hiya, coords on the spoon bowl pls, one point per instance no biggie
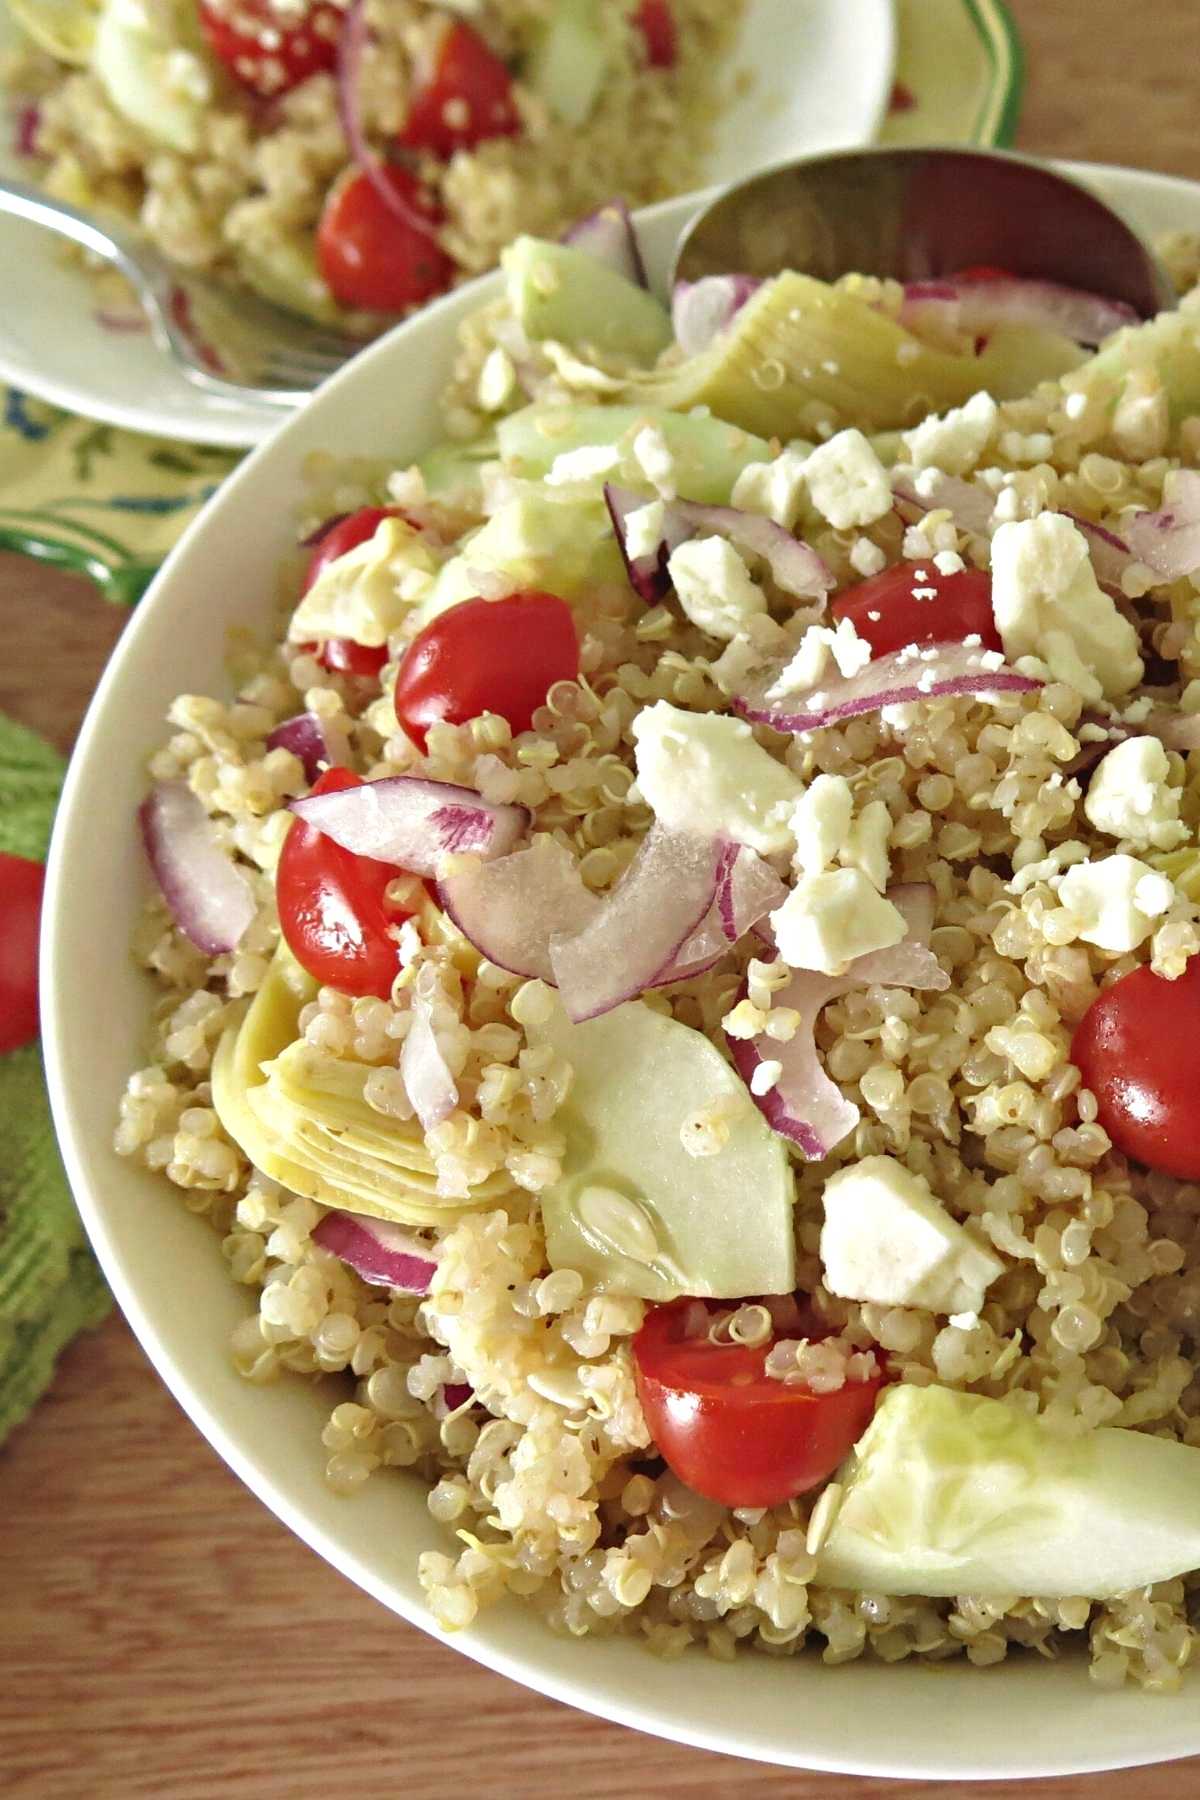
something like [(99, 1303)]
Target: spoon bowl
[(917, 214)]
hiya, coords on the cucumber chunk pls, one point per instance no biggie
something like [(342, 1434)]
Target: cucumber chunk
[(708, 454), (570, 60), (951, 1493), (558, 545), (559, 292), (633, 1211)]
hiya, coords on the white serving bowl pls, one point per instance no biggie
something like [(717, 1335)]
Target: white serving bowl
[(1027, 1718)]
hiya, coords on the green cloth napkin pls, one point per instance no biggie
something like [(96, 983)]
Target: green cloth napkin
[(50, 1287)]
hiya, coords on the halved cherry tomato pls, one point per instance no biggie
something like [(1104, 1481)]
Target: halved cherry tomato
[(498, 656), (656, 22), (264, 53), (464, 97), (1138, 1049), (370, 258), (21, 884), (914, 604), (729, 1430), (335, 918), (342, 656)]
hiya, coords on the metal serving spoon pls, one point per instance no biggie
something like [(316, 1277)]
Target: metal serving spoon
[(916, 214)]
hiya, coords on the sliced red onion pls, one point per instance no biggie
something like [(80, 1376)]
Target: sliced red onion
[(414, 822), (805, 1104), (970, 505), (1168, 540), (124, 323), (25, 128), (430, 1086), (511, 908), (747, 889), (384, 1254), (608, 234), (305, 737), (636, 934), (451, 1396), (976, 307), (351, 45), (794, 565), (208, 896), (647, 574), (900, 677), (702, 310)]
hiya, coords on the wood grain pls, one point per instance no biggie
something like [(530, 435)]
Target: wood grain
[(163, 1637)]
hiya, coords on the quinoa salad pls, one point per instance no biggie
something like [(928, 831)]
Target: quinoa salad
[(350, 159), (677, 972)]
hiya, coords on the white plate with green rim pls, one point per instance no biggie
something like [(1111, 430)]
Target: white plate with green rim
[(821, 75), (1031, 1717)]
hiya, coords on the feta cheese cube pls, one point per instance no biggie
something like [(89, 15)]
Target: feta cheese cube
[(653, 457), (583, 464), (954, 441), (820, 821), (775, 489), (847, 482), (866, 844), (704, 772), (850, 652), (888, 1240), (830, 919), (1115, 901), (1129, 796), (644, 530), (714, 586), (866, 558), (1048, 604)]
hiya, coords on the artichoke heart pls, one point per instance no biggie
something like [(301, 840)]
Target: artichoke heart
[(300, 1115), (801, 354)]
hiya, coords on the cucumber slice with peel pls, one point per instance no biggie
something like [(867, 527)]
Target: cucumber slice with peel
[(562, 293), (707, 454), (950, 1493), (633, 1211)]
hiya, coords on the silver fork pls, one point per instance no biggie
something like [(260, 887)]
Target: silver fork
[(280, 357)]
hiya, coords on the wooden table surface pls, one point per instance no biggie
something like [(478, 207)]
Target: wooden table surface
[(162, 1634)]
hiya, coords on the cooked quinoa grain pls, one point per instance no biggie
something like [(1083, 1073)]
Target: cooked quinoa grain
[(509, 1386)]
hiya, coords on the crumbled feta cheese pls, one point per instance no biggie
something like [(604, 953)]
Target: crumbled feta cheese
[(954, 441), (949, 562), (654, 459), (714, 586), (1129, 796), (847, 482), (644, 530), (829, 919), (850, 652), (582, 464), (888, 1240), (1075, 405), (765, 1076), (1048, 603), (1114, 902), (866, 558), (775, 489), (497, 380), (365, 594), (704, 772), (820, 821), (1046, 867), (866, 844)]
